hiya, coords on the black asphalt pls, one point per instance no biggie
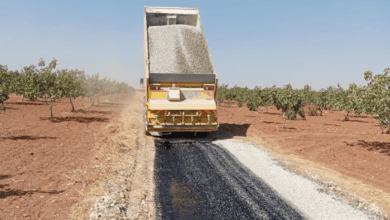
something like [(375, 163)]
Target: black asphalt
[(196, 179)]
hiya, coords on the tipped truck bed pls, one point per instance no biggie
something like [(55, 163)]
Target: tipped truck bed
[(177, 57)]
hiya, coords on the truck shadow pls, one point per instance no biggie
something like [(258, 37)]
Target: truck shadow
[(228, 131), (225, 131)]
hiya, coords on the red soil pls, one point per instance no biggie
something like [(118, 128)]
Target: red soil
[(38, 153)]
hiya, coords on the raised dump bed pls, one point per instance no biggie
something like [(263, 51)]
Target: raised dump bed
[(180, 79)]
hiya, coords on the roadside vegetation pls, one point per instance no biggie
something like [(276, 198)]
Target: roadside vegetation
[(372, 99), (52, 86)]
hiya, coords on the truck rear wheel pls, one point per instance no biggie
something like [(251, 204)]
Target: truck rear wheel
[(144, 122)]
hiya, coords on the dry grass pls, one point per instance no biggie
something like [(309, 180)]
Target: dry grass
[(359, 195), (114, 154)]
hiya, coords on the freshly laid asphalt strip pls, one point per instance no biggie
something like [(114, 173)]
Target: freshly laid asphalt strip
[(200, 180)]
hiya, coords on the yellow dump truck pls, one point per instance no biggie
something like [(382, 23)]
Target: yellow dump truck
[(180, 80)]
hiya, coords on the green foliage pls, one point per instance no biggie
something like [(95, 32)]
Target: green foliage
[(49, 85), (322, 100), (56, 85), (309, 95), (29, 86), (16, 83), (266, 97), (254, 100), (376, 98), (350, 100), (232, 93), (69, 86), (312, 111), (53, 64), (242, 96), (41, 63), (359, 105), (222, 92), (290, 102), (368, 75), (4, 88), (257, 97)]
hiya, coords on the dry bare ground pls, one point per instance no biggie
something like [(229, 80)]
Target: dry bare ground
[(127, 189), (58, 168)]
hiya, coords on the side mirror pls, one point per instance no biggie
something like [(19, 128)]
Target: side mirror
[(141, 82)]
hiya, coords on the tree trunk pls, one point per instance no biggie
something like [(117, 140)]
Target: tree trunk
[(325, 116), (284, 116), (266, 108), (49, 103), (346, 116), (51, 108), (70, 99), (51, 111), (257, 115)]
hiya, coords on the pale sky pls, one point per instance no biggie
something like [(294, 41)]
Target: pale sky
[(320, 43)]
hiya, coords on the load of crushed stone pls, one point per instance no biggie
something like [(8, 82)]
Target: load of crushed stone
[(178, 49)]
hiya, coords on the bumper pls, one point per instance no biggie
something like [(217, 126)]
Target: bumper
[(183, 128)]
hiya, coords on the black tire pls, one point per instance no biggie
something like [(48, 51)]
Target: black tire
[(144, 121)]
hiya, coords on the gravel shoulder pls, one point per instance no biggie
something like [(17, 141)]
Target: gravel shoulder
[(309, 197)]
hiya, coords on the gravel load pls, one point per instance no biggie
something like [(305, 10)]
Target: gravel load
[(178, 49)]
